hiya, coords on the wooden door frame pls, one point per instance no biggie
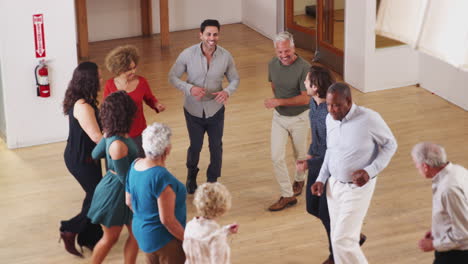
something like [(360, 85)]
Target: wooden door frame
[(146, 11), (317, 32), (289, 19), (320, 19)]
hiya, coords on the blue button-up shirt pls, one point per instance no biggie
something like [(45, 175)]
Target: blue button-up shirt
[(318, 115)]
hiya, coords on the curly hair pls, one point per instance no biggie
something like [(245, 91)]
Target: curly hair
[(212, 200), (119, 59), (83, 85), (117, 113), (322, 78), (156, 138)]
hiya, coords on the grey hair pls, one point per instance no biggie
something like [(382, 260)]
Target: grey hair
[(283, 36), (432, 154), (156, 138), (341, 89)]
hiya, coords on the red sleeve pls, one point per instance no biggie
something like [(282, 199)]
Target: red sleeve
[(109, 88), (148, 96)]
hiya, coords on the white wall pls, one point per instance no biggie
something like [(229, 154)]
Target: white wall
[(392, 67), (260, 15), (31, 120), (370, 69), (443, 80), (2, 100), (2, 106), (111, 19), (279, 16), (356, 45)]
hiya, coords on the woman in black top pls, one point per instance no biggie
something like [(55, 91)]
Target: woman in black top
[(80, 104)]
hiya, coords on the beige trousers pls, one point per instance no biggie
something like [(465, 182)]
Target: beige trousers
[(282, 128)]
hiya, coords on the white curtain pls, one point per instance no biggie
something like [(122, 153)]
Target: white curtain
[(436, 27)]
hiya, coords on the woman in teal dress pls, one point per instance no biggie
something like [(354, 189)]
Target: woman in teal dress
[(108, 206)]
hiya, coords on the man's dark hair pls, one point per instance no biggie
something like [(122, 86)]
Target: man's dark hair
[(209, 23), (322, 78), (341, 89)]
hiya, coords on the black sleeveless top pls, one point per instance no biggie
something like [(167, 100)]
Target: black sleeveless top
[(79, 144)]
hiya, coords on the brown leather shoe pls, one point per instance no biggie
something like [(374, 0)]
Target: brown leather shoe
[(282, 203), (297, 187)]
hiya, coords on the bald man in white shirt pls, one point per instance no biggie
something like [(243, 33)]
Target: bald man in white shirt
[(359, 146)]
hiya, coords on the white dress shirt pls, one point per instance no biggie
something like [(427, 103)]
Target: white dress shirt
[(361, 140), (450, 208), (206, 242)]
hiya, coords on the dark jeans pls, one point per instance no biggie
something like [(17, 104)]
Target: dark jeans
[(317, 205), (451, 257), (197, 127), (88, 176)]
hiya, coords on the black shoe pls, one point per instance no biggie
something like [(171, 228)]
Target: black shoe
[(90, 236), (212, 180), (191, 185), (362, 239)]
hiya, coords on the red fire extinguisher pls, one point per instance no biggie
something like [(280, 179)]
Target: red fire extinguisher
[(42, 79)]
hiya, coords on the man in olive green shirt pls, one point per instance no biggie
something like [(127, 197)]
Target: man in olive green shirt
[(287, 73)]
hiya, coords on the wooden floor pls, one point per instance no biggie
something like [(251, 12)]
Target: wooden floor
[(37, 191)]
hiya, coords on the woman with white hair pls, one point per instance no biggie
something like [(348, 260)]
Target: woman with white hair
[(205, 241), (157, 200)]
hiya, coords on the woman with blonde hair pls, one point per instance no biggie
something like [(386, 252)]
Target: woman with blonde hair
[(205, 241), (122, 62)]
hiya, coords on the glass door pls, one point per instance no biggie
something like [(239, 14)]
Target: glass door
[(301, 21), (318, 25), (330, 39)]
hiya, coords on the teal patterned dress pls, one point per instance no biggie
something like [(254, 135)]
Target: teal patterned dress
[(108, 206)]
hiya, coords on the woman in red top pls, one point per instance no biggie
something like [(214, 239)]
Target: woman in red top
[(122, 62)]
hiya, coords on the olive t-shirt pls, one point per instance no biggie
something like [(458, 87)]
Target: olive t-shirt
[(288, 82)]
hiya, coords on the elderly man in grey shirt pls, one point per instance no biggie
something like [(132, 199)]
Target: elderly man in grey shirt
[(449, 233), (359, 146), (206, 64)]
